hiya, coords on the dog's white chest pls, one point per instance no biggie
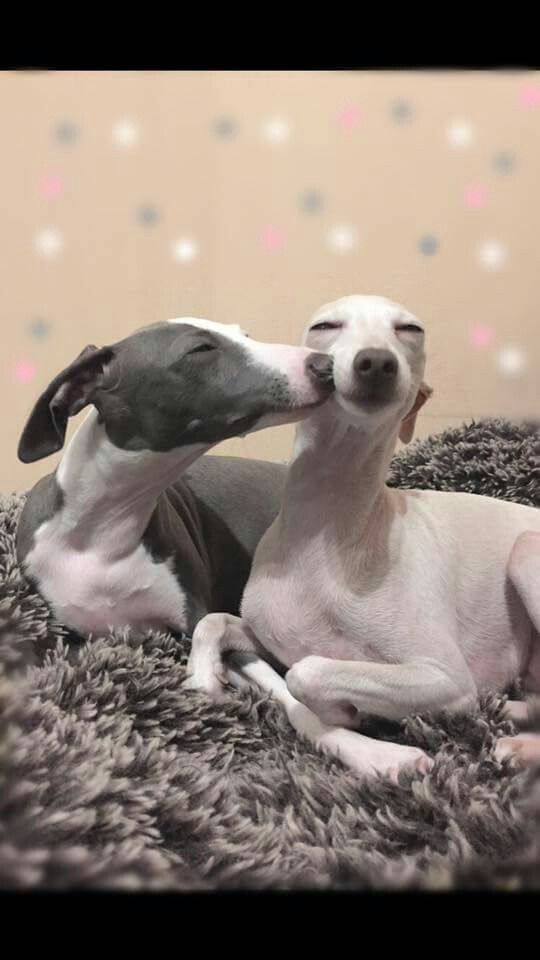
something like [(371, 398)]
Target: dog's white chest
[(306, 610), (90, 592), (431, 593)]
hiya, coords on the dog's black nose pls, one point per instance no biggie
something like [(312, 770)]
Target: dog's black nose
[(320, 366), (375, 367)]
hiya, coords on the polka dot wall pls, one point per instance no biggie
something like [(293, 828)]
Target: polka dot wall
[(253, 198)]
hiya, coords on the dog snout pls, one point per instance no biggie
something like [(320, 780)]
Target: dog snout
[(372, 365), (319, 367), (375, 372)]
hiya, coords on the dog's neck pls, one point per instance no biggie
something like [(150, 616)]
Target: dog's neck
[(109, 494), (337, 474)]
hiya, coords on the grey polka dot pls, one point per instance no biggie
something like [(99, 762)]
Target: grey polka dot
[(312, 201), (39, 328), (504, 161), (147, 215), (66, 132), (401, 111), (428, 245), (225, 127)]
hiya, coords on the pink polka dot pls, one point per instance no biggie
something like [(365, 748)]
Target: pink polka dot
[(24, 371), (273, 238), (475, 195), (481, 335), (349, 116), (529, 95), (50, 185)]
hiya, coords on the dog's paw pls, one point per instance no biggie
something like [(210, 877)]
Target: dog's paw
[(411, 759), (518, 711), (367, 757), (212, 684), (524, 748)]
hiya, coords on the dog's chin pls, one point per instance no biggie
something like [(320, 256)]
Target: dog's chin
[(306, 405), (360, 409)]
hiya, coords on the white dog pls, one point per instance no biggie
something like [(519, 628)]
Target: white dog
[(381, 601)]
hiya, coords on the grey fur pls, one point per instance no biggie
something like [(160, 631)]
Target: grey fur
[(114, 777), (151, 388), (237, 499), (210, 522), (46, 499)]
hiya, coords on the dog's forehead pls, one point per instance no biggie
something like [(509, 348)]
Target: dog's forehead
[(159, 343), (231, 330), (359, 308)]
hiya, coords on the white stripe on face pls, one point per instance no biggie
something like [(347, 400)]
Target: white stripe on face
[(231, 330)]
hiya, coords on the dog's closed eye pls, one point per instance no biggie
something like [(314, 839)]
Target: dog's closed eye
[(201, 348), (408, 328), (327, 325)]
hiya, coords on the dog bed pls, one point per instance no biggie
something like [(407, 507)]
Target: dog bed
[(113, 777)]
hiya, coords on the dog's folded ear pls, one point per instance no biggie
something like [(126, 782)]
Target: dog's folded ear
[(408, 423), (69, 392)]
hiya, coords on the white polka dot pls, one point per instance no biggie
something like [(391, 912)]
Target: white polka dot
[(126, 132), (184, 249), (460, 134), (48, 242), (276, 129), (511, 361), (492, 255), (342, 238)]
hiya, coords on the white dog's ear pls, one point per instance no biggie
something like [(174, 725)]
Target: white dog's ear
[(408, 423)]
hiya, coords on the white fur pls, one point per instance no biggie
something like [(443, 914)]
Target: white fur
[(382, 601), (231, 330), (101, 575)]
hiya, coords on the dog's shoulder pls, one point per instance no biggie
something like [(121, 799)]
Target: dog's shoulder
[(44, 500)]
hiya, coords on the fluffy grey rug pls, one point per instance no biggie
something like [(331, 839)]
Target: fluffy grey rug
[(113, 777)]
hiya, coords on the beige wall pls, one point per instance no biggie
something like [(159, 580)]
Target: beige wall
[(392, 173)]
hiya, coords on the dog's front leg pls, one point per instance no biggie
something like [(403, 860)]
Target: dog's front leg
[(218, 633), (341, 690), (215, 635), (362, 754)]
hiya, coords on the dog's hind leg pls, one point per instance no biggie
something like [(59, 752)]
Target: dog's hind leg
[(524, 572)]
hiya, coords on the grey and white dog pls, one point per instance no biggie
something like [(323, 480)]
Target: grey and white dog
[(379, 601), (132, 528)]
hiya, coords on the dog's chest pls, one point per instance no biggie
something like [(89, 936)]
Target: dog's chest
[(89, 592), (312, 611)]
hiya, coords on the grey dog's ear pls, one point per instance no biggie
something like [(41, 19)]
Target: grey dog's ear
[(408, 423), (69, 392)]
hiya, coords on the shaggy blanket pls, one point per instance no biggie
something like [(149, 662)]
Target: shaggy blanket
[(114, 777)]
